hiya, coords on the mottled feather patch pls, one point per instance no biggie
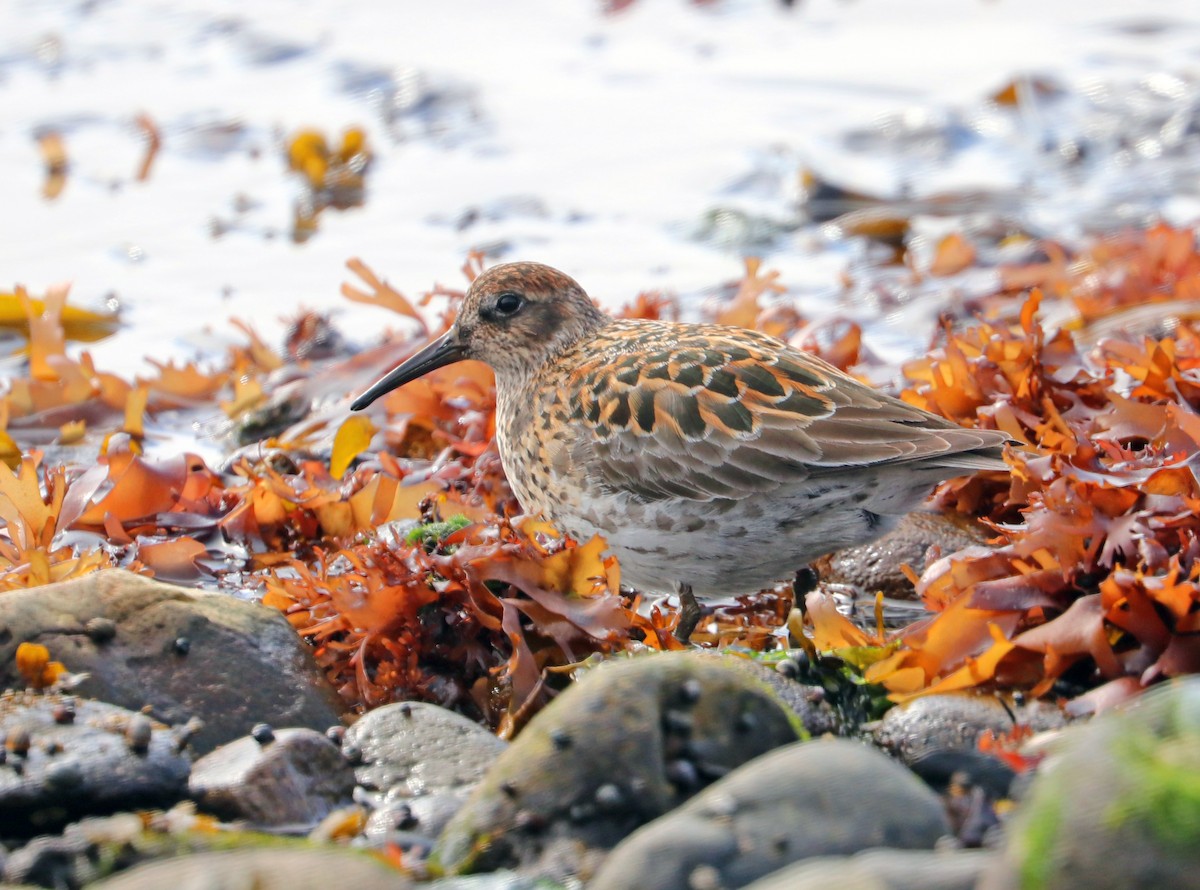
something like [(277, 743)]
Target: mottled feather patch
[(685, 412), (723, 383), (803, 405), (799, 374), (619, 416), (661, 420), (734, 416), (760, 380), (628, 376), (643, 409), (690, 375)]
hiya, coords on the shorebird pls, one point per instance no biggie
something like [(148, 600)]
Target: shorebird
[(715, 461)]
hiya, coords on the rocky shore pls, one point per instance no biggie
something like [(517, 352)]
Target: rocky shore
[(195, 744)]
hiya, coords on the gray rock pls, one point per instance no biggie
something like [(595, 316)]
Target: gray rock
[(917, 540), (419, 763), (65, 757), (972, 784), (496, 880), (810, 703), (882, 870), (52, 861), (297, 777), (1116, 805), (144, 643), (628, 742), (821, 798), (956, 720), (268, 868), (85, 851)]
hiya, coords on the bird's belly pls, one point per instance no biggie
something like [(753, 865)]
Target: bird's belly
[(721, 548)]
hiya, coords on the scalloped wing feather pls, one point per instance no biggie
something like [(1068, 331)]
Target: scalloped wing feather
[(716, 412)]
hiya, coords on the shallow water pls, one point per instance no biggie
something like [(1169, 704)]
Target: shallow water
[(646, 149)]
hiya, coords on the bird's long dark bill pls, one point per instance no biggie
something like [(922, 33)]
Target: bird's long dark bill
[(442, 351)]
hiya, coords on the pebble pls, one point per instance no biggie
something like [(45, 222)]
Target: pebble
[(628, 742), (819, 798), (142, 642), (418, 763), (102, 760), (297, 779)]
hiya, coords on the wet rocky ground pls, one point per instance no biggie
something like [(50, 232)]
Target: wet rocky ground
[(198, 746)]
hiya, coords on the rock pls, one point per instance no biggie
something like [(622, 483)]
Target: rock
[(267, 868), (1117, 804), (496, 880), (972, 783), (96, 848), (52, 861), (948, 766), (102, 759), (846, 704), (820, 798), (291, 776), (628, 742), (145, 643), (85, 851), (918, 540), (957, 720), (882, 870), (809, 702), (419, 762)]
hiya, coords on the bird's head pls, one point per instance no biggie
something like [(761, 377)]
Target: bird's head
[(515, 317)]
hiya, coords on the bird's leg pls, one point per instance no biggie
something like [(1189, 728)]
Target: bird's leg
[(689, 612)]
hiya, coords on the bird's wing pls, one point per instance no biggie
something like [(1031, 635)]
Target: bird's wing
[(725, 413)]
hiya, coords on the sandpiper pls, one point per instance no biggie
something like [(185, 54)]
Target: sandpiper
[(714, 460)]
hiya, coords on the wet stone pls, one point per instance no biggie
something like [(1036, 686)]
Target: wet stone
[(809, 702), (53, 861), (820, 798), (54, 772), (956, 721), (288, 868), (124, 631), (644, 735), (972, 784), (85, 851), (918, 540), (297, 778), (1116, 804), (882, 870), (417, 763), (496, 880)]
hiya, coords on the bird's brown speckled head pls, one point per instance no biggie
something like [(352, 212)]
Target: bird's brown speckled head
[(515, 317), (518, 315)]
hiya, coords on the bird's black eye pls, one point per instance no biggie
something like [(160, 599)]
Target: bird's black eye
[(509, 304)]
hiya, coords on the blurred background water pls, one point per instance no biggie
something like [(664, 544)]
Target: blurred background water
[(647, 144)]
